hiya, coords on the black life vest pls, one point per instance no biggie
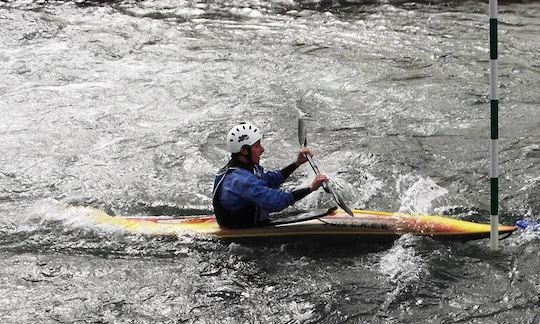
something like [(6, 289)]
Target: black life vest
[(249, 216)]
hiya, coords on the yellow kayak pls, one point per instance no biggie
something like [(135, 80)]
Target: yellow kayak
[(364, 225)]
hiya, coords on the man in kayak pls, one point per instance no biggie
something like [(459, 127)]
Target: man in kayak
[(244, 193)]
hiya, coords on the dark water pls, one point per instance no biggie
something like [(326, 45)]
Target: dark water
[(124, 105)]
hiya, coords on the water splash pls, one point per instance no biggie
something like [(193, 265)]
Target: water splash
[(403, 267), (525, 237), (51, 225), (417, 194)]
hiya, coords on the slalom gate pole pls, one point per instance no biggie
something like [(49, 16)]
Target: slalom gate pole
[(494, 102)]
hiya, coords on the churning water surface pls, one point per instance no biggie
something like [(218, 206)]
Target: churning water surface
[(123, 106)]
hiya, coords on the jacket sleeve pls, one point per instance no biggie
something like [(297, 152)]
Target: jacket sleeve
[(248, 186), (273, 179)]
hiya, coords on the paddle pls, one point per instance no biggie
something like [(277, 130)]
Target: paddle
[(302, 139)]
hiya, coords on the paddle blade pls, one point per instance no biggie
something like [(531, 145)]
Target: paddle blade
[(302, 132), (340, 201)]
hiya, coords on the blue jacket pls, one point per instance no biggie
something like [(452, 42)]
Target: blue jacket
[(244, 199)]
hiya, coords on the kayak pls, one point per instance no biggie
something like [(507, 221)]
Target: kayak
[(332, 223)]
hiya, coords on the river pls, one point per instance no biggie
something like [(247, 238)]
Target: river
[(124, 106)]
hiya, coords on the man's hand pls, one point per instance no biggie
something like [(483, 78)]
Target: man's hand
[(318, 181), (301, 158)]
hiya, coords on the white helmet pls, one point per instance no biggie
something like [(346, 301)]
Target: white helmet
[(242, 134)]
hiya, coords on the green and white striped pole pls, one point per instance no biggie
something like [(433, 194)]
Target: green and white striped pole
[(494, 101)]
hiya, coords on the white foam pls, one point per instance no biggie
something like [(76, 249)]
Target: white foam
[(51, 209), (301, 311), (246, 12), (75, 86), (402, 266), (189, 12), (531, 184), (419, 196), (70, 216), (369, 188), (524, 236), (287, 3), (401, 263)]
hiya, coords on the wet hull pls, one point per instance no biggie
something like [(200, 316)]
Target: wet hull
[(365, 225)]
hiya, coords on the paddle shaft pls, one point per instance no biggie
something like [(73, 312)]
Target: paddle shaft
[(317, 171), (302, 139)]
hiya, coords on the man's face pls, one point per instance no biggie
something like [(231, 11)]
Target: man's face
[(256, 151)]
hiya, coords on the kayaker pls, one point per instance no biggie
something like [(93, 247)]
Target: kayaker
[(244, 193)]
